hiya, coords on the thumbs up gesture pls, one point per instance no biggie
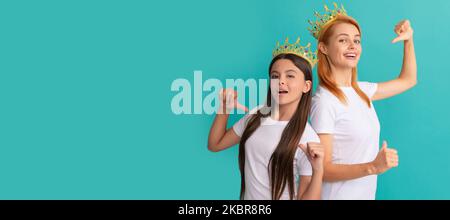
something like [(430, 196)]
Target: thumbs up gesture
[(228, 101), (404, 31), (386, 159)]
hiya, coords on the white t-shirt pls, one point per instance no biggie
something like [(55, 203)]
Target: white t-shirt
[(356, 133), (258, 150)]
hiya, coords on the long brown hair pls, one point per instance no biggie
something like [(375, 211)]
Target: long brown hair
[(281, 167), (323, 67)]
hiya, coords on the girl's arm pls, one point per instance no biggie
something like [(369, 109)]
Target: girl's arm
[(219, 137), (385, 160), (408, 75), (310, 187)]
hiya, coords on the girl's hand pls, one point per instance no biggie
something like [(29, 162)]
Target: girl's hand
[(315, 153), (228, 101), (404, 31), (385, 160)]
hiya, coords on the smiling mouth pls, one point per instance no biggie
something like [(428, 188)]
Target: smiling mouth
[(350, 56)]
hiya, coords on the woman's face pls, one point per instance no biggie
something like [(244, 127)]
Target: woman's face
[(287, 82), (344, 46)]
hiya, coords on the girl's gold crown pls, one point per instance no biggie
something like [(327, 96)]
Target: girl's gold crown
[(326, 18), (296, 49)]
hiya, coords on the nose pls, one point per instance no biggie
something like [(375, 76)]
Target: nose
[(282, 81), (351, 45)]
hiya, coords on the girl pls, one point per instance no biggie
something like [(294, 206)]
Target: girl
[(269, 159), (342, 111)]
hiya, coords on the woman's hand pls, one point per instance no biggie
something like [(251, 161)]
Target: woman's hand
[(404, 31), (408, 75), (385, 160)]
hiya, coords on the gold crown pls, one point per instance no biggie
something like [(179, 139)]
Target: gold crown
[(327, 17), (296, 49)]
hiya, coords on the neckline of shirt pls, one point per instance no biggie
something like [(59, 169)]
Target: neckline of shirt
[(269, 120)]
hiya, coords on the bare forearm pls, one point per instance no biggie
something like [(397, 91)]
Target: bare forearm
[(409, 67), (314, 190), (218, 129), (340, 172)]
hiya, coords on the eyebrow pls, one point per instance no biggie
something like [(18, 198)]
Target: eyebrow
[(289, 70), (356, 35)]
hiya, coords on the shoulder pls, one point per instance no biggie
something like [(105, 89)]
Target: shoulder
[(240, 125), (324, 97), (324, 100), (368, 87), (252, 112), (366, 84)]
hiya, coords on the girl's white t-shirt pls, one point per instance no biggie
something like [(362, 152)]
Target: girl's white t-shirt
[(258, 150), (356, 133)]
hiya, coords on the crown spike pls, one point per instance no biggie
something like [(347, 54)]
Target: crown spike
[(323, 19), (296, 49)]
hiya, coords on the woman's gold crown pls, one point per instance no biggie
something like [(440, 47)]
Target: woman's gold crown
[(326, 18)]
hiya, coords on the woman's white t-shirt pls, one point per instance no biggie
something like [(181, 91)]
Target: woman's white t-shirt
[(258, 150), (356, 133)]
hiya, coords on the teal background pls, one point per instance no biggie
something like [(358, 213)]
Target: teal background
[(85, 93)]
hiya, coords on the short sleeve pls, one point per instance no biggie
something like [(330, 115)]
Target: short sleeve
[(323, 116), (303, 165), (309, 135), (369, 88), (239, 126)]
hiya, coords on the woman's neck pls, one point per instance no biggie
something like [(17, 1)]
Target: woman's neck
[(342, 76)]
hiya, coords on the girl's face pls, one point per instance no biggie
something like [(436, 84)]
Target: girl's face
[(344, 46), (287, 82)]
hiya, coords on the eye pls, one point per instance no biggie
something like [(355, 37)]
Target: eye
[(274, 76), (357, 41), (291, 76), (343, 41)]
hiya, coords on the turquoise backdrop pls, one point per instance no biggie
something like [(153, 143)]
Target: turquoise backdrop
[(85, 93)]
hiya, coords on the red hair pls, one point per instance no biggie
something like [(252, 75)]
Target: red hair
[(323, 68)]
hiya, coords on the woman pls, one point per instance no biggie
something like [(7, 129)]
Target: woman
[(342, 112), (269, 157)]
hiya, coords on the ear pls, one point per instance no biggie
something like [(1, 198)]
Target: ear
[(323, 48), (308, 85)]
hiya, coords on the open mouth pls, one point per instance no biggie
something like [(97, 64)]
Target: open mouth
[(282, 92), (351, 56)]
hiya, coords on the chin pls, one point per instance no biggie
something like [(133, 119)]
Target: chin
[(281, 102), (351, 65), (284, 102)]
